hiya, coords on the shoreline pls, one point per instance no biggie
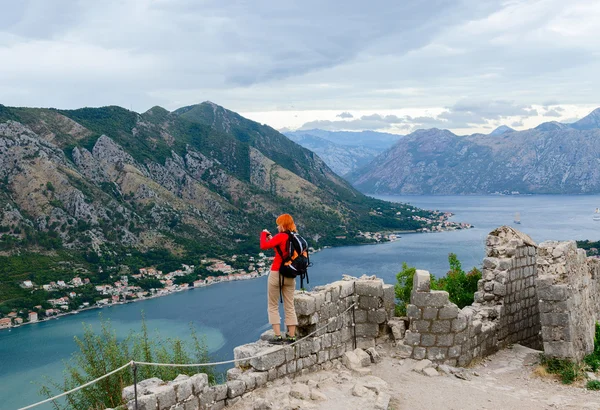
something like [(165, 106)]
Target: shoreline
[(74, 312)]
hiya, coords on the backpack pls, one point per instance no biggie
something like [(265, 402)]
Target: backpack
[(298, 260)]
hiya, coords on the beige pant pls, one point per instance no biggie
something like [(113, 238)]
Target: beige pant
[(287, 290)]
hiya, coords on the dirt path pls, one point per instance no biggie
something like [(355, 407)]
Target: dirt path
[(505, 380)]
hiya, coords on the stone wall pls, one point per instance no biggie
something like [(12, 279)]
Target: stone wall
[(505, 310), (321, 312), (547, 295), (568, 287)]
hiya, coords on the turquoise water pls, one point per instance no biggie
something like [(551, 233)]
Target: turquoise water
[(231, 314)]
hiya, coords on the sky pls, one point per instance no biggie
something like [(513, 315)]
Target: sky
[(393, 66)]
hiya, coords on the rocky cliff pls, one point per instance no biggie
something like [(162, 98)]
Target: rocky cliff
[(552, 158), (200, 177)]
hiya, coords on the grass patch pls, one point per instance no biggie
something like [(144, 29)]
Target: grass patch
[(568, 370), (593, 385)]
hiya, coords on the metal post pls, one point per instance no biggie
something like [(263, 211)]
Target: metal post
[(134, 367), (353, 316)]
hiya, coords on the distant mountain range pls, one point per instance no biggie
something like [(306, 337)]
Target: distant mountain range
[(344, 151), (552, 158)]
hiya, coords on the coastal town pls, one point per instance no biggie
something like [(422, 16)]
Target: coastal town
[(69, 297), (80, 294)]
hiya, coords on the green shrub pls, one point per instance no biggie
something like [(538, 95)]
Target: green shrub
[(100, 353), (593, 359), (460, 286), (593, 385), (568, 370), (403, 288)]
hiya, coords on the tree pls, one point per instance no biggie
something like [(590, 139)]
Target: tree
[(100, 353), (460, 286), (403, 288)]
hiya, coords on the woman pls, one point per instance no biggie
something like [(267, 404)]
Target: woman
[(278, 282)]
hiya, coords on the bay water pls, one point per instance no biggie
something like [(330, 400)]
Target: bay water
[(231, 314)]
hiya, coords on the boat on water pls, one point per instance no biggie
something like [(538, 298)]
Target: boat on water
[(596, 215), (517, 218)]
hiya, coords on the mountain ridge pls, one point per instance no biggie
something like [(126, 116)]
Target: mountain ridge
[(553, 158)]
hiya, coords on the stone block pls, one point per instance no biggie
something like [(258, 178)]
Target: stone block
[(291, 367), (260, 378), (282, 371), (319, 300), (303, 348), (183, 389), (389, 296), (505, 263), (346, 288), (220, 405), (272, 374), (499, 289), (309, 361), (413, 312), (369, 288), (363, 357), (377, 316), (365, 342), (192, 404), (421, 281), (430, 313), (322, 356), (220, 391), (412, 338), (128, 392), (368, 302), (437, 354), (336, 338), (454, 352), (448, 312), (398, 328), (404, 351), (271, 357), (559, 349), (244, 351), (367, 329), (419, 353), (326, 340), (232, 402), (435, 298), (427, 340), (234, 373), (361, 316), (555, 319), (490, 263), (556, 292), (440, 326), (165, 396), (445, 340), (374, 355), (147, 402), (421, 325)]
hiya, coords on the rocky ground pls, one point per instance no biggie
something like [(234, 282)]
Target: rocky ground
[(509, 379)]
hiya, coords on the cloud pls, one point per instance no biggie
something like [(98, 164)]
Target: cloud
[(553, 113), (263, 55), (517, 123), (345, 114)]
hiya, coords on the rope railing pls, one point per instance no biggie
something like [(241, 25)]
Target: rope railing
[(133, 364)]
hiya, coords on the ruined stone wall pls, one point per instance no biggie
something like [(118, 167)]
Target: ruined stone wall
[(320, 312), (568, 287), (505, 310)]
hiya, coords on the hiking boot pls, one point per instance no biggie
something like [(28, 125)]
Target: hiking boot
[(290, 339), (276, 340)]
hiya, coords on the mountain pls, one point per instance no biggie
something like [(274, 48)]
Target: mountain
[(589, 122), (95, 188), (344, 151), (552, 158), (501, 130)]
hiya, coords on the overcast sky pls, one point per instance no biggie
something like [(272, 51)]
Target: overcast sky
[(465, 65)]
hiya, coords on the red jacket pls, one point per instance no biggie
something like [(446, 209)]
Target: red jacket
[(278, 240)]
